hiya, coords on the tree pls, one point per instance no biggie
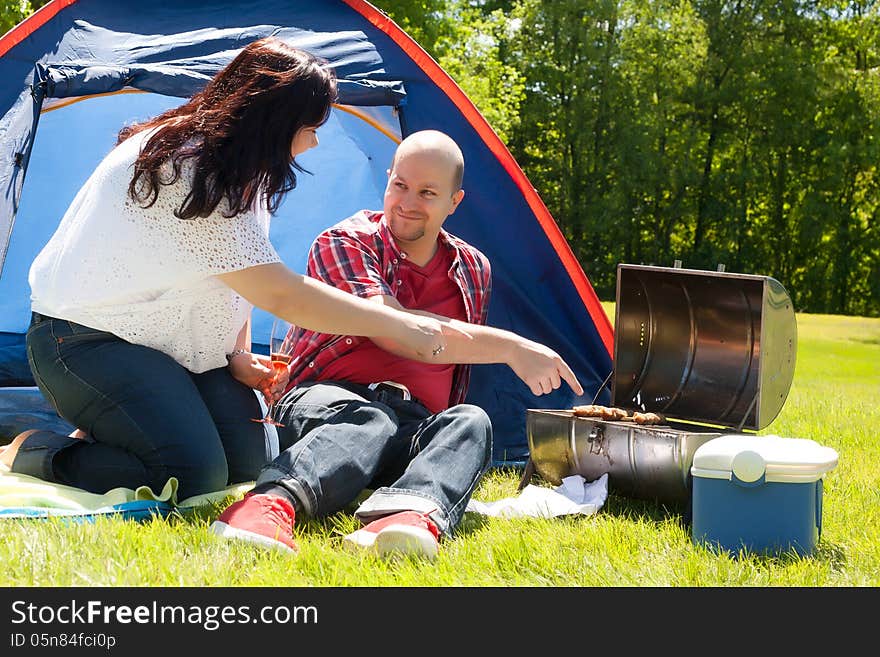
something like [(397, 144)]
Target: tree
[(468, 40), (13, 12)]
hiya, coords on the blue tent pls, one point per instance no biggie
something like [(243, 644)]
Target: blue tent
[(77, 70)]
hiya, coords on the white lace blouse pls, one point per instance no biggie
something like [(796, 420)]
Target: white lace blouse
[(145, 275)]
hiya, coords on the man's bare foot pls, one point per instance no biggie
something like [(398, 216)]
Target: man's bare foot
[(78, 433), (7, 456)]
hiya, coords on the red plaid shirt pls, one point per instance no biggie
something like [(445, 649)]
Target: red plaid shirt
[(359, 255)]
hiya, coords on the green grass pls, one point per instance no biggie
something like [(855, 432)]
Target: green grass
[(833, 400)]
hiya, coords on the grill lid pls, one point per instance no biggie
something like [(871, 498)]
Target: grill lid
[(716, 348)]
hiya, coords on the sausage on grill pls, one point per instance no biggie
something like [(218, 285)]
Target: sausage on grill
[(611, 413)]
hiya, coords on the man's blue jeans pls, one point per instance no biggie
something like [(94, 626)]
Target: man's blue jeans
[(148, 418), (340, 438)]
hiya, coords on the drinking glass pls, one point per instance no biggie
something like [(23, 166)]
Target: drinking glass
[(280, 352)]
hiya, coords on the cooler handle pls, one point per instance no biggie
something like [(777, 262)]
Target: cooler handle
[(819, 507)]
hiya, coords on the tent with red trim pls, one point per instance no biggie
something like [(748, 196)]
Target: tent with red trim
[(77, 70)]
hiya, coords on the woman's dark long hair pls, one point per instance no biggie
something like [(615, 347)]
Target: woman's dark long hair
[(238, 130)]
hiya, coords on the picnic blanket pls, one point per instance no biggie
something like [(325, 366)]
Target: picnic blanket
[(22, 496)]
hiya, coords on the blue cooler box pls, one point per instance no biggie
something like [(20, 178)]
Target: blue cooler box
[(759, 493)]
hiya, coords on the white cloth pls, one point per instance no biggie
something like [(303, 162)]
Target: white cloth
[(145, 275), (574, 496)]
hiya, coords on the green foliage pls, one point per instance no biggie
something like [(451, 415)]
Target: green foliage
[(713, 132), (12, 12), (423, 20), (628, 542), (474, 57), (469, 42)]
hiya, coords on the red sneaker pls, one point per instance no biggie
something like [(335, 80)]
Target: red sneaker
[(408, 532), (266, 520)]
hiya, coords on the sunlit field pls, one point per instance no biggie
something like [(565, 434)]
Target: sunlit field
[(833, 400)]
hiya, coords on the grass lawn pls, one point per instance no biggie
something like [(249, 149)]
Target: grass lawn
[(833, 400)]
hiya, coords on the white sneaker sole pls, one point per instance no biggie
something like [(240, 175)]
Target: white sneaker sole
[(222, 529), (395, 540)]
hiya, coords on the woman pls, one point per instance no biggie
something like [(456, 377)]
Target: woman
[(141, 300)]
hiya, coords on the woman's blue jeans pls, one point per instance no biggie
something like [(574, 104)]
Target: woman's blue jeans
[(340, 438), (147, 417)]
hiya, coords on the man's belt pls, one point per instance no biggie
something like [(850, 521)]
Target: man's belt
[(392, 387)]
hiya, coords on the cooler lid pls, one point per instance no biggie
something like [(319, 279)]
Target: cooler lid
[(716, 348), (750, 457)]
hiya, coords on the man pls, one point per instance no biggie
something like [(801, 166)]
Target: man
[(363, 413)]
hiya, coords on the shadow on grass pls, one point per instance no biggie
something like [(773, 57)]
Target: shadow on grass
[(470, 523), (654, 511), (338, 524), (832, 554), (333, 527), (632, 508)]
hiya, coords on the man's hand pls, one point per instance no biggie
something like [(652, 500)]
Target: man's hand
[(253, 370), (541, 368)]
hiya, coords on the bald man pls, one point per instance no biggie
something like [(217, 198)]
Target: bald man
[(368, 413)]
